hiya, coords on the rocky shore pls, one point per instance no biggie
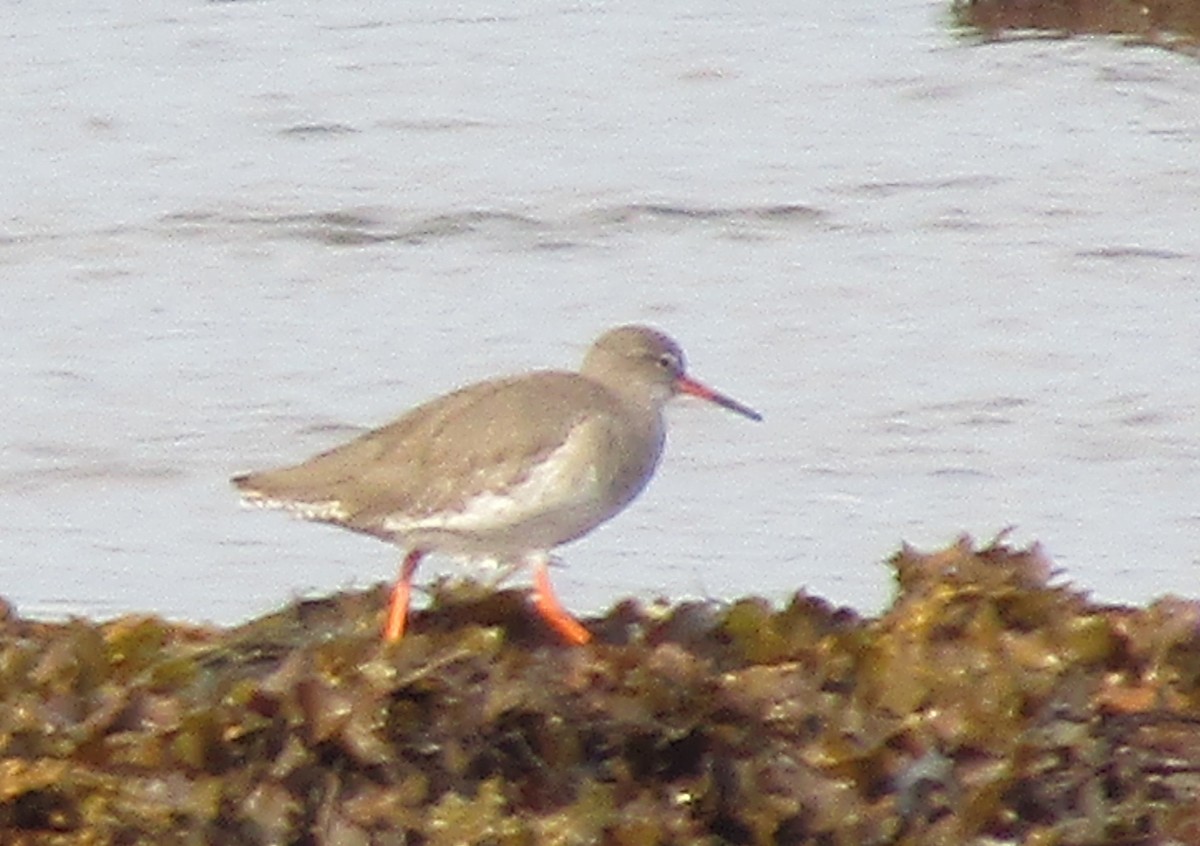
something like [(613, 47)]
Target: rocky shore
[(992, 703)]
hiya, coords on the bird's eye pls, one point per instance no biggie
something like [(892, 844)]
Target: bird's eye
[(668, 362)]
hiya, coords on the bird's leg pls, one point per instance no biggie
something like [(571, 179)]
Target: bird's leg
[(547, 604), (397, 614)]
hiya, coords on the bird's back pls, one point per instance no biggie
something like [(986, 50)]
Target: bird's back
[(488, 437)]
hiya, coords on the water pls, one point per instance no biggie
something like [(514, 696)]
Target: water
[(958, 280)]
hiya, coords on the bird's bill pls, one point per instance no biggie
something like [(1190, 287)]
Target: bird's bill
[(685, 385)]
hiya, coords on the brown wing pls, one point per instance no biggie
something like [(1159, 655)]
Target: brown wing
[(482, 437)]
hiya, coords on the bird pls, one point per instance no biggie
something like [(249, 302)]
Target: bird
[(506, 469)]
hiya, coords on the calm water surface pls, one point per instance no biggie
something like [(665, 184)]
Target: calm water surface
[(960, 281)]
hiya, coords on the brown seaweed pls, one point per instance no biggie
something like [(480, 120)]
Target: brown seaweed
[(1174, 24), (991, 702)]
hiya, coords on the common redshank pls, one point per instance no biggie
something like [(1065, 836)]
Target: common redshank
[(506, 469)]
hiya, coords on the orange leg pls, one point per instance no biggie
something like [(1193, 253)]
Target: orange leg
[(397, 614), (547, 604)]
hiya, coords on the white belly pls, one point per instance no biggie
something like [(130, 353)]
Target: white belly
[(562, 498)]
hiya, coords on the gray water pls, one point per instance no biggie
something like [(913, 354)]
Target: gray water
[(959, 280)]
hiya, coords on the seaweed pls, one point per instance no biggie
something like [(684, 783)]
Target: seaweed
[(991, 700)]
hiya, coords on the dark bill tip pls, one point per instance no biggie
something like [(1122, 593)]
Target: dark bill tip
[(686, 385)]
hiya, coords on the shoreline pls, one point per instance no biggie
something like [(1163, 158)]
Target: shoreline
[(988, 701)]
